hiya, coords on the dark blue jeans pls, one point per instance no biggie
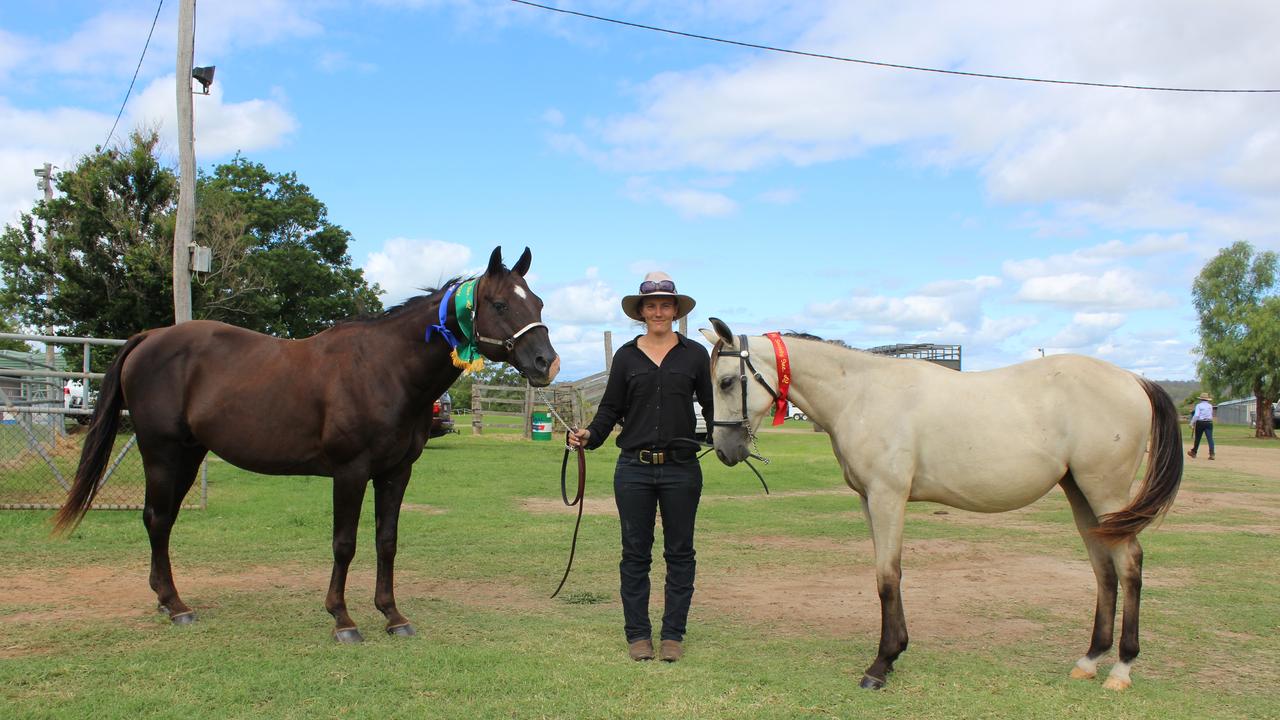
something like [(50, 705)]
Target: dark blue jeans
[(639, 490), (1206, 429)]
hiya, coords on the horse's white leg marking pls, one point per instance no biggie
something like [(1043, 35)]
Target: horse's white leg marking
[(1119, 677), (1085, 668)]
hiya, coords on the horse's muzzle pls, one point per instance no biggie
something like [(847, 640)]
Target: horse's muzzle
[(731, 445), (543, 373)]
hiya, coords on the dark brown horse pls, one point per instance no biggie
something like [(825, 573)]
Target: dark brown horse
[(352, 403)]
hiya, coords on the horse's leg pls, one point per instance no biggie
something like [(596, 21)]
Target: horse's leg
[(1127, 556), (885, 512), (388, 493), (348, 496), (1104, 570), (170, 470)]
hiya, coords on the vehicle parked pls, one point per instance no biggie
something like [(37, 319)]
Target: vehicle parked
[(442, 416), (73, 399), (699, 423)]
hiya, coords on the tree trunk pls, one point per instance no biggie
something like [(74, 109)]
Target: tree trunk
[(1264, 426)]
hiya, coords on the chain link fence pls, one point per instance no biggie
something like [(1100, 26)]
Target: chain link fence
[(44, 416)]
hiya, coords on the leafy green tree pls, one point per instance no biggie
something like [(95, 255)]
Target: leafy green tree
[(97, 260), (295, 276), (8, 325), (1240, 327)]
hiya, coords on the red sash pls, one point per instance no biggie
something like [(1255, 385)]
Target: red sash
[(784, 376)]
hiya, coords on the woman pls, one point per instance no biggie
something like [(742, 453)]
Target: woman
[(651, 389)]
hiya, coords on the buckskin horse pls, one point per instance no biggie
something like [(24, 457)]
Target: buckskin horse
[(905, 430), (352, 403)]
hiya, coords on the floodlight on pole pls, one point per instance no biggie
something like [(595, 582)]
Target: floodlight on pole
[(204, 75)]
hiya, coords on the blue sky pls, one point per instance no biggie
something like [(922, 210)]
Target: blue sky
[(872, 205)]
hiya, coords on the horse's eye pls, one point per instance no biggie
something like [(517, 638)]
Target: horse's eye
[(500, 307), (726, 382)]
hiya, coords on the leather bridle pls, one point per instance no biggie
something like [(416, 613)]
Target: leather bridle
[(744, 364)]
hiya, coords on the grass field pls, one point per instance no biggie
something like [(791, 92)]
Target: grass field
[(782, 625)]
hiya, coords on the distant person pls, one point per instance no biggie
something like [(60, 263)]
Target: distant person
[(1202, 423), (652, 384)]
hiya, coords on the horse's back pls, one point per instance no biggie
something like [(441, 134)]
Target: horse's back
[(999, 439), (237, 392)]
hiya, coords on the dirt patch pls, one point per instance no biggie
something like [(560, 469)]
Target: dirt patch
[(122, 595), (1260, 461), (955, 592), (421, 508), (556, 505), (1191, 502), (604, 506)]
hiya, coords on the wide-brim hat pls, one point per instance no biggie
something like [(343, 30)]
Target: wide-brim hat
[(1206, 396), (658, 284)]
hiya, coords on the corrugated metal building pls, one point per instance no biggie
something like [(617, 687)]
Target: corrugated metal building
[(1239, 412)]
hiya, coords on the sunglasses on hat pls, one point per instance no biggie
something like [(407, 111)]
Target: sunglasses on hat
[(649, 286)]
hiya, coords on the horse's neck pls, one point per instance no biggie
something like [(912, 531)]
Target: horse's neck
[(426, 363), (826, 379)]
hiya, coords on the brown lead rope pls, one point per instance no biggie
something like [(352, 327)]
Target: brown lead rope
[(577, 500)]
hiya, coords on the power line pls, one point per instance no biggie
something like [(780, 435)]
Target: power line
[(135, 75), (876, 63)]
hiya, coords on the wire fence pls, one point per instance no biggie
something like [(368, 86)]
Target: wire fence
[(43, 425)]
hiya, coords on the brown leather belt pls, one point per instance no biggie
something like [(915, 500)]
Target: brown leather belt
[(651, 457), (655, 456)]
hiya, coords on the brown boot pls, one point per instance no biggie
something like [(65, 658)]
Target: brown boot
[(672, 650), (641, 649), (1210, 456), (1191, 453)]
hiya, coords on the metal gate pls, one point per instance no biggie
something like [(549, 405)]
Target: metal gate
[(42, 429)]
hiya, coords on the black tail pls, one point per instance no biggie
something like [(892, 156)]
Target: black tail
[(97, 445), (1164, 472)]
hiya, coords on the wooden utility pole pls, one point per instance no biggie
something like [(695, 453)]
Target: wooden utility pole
[(50, 357), (186, 220), (608, 350)]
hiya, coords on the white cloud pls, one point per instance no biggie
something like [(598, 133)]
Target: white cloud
[(553, 117), (404, 266), (779, 196), (1098, 155), (221, 128), (1118, 289), (688, 202), (590, 301), (1086, 329)]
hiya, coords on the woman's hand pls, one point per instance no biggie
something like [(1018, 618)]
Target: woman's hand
[(577, 438)]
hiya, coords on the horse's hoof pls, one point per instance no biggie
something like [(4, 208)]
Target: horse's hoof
[(404, 630), (870, 683), (183, 618), (1079, 674), (1115, 683), (348, 636)]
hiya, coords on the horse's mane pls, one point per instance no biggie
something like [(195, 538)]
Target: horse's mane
[(408, 306), (802, 335)]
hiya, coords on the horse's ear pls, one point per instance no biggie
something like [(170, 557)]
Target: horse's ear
[(710, 336), (495, 262), (522, 265), (723, 331)]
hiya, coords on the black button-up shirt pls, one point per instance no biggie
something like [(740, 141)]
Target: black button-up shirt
[(654, 402)]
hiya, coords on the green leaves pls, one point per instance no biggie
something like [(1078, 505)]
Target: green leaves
[(97, 259), (1235, 297)]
